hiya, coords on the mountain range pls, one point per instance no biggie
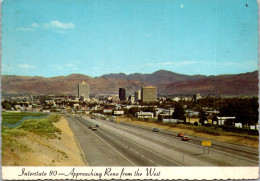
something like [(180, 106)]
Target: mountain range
[(167, 82)]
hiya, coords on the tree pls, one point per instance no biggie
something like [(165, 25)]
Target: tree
[(133, 110), (6, 105), (215, 118), (202, 116), (245, 110), (179, 113)]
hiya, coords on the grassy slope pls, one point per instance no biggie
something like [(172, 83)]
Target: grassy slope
[(42, 127), (12, 118)]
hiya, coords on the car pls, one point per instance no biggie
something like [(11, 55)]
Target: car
[(155, 130), (185, 138), (180, 135), (94, 128)]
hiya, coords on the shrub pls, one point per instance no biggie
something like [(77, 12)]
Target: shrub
[(208, 125), (42, 126)]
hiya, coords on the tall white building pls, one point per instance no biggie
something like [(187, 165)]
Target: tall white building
[(83, 90)]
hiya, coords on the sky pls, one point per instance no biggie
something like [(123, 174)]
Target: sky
[(95, 37)]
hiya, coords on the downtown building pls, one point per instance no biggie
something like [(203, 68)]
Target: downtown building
[(122, 95), (138, 96), (83, 90), (149, 94)]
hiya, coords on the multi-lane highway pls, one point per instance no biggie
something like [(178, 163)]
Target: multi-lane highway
[(123, 144)]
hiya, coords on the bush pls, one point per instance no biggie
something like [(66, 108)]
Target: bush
[(42, 126), (208, 125)]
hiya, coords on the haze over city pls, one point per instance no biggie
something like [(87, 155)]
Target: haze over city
[(49, 38)]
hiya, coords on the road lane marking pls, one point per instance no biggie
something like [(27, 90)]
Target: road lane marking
[(192, 144), (145, 148), (111, 147), (123, 144)]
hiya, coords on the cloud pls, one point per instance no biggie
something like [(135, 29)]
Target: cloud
[(191, 62), (52, 25), (26, 66), (58, 25)]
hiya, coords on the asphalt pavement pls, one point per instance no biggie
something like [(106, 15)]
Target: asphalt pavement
[(115, 144)]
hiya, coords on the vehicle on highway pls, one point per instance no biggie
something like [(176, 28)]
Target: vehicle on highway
[(185, 138), (94, 128), (180, 135), (155, 130)]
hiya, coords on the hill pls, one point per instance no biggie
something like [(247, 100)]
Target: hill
[(240, 84), (157, 78), (63, 85), (167, 83)]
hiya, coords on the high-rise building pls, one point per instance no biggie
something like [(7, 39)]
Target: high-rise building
[(122, 94), (138, 96), (149, 94), (83, 90)]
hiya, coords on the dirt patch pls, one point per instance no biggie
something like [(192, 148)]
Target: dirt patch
[(239, 140), (61, 151)]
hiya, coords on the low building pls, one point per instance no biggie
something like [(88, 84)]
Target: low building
[(161, 117), (166, 118), (254, 126), (222, 120), (238, 125)]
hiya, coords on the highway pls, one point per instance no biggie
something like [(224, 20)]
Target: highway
[(235, 150), (124, 144)]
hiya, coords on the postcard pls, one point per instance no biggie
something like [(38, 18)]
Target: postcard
[(129, 89)]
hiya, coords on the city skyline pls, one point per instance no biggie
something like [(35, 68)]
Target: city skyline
[(102, 37)]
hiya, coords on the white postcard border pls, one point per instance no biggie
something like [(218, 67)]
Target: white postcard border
[(123, 173)]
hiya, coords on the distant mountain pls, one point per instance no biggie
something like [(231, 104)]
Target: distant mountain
[(157, 78), (64, 85), (240, 84), (167, 83)]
